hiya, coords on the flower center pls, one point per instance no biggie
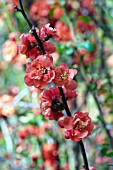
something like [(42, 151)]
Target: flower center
[(64, 76), (81, 125), (56, 105), (42, 70)]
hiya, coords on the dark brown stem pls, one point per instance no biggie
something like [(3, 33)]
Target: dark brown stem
[(84, 155), (64, 101), (38, 40), (32, 27)]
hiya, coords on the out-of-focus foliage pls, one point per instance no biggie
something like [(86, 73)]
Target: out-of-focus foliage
[(28, 140)]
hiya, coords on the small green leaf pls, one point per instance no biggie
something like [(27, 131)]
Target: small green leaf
[(69, 51), (61, 48), (49, 133), (87, 45), (109, 164), (40, 117), (85, 19), (109, 154), (51, 13), (92, 87), (104, 151), (109, 97)]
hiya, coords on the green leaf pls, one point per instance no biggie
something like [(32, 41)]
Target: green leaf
[(49, 133), (85, 19), (62, 2), (87, 45), (109, 164), (51, 13), (109, 97), (109, 154), (104, 151), (92, 86), (26, 119), (61, 48), (69, 51), (40, 117)]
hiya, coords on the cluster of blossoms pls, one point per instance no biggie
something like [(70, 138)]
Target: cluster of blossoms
[(84, 27), (50, 158), (42, 10), (33, 130), (87, 56), (41, 72), (53, 13), (10, 50), (77, 127), (6, 102), (6, 110), (50, 155)]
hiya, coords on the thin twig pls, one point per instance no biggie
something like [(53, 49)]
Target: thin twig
[(102, 120), (98, 106), (32, 27), (64, 101), (84, 155)]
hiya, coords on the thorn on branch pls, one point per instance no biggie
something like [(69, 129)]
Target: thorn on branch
[(17, 9), (33, 29)]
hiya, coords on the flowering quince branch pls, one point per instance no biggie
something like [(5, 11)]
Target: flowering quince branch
[(33, 30), (41, 71)]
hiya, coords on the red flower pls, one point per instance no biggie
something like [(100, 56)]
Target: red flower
[(24, 44), (40, 72), (88, 57), (7, 110), (89, 4), (12, 36), (30, 130), (70, 89), (27, 41), (58, 12), (39, 9), (63, 74), (50, 156), (22, 133), (78, 126), (63, 31), (46, 31), (29, 46), (10, 50), (50, 105), (11, 4), (34, 157), (49, 47), (14, 2), (85, 27)]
